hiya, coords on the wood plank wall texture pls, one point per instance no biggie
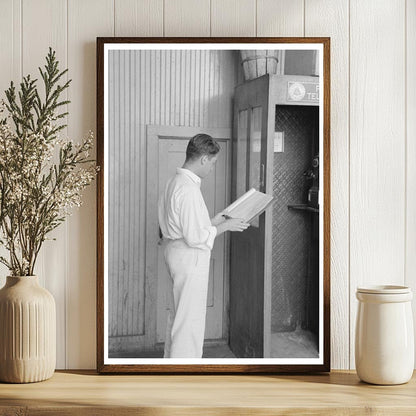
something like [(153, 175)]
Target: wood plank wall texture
[(373, 132)]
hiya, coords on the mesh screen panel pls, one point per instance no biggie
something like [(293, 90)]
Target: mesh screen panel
[(291, 229)]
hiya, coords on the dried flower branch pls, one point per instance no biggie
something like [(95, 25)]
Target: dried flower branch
[(36, 193)]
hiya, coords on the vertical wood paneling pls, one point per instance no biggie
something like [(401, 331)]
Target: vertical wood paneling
[(110, 165), (187, 18), (181, 71), (188, 81), (195, 87), (377, 152), (205, 92), (330, 18), (233, 17), (168, 96), (213, 114), (138, 17), (411, 150), (163, 89), (86, 19), (141, 148), (10, 44), (148, 86), (280, 18), (156, 90), (112, 189), (10, 67), (176, 86), (132, 318), (52, 261), (124, 187)]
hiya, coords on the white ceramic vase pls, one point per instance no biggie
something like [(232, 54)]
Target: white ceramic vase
[(384, 338), (27, 331)]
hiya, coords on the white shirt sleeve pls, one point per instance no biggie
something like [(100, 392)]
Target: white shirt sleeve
[(195, 222)]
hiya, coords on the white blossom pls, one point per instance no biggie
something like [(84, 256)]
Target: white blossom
[(37, 189)]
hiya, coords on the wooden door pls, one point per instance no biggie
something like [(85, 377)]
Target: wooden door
[(165, 154), (250, 303)]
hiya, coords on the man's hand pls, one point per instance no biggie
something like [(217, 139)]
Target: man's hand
[(232, 224), (236, 224), (218, 219)]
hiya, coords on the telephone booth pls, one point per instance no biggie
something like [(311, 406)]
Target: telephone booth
[(274, 265)]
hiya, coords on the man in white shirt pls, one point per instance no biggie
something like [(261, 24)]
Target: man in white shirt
[(185, 223)]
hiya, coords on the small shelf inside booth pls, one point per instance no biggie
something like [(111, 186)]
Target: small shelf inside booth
[(303, 207)]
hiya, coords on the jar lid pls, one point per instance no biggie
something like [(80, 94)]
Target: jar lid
[(384, 289)]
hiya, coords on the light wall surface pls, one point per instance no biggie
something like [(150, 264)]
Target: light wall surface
[(373, 133)]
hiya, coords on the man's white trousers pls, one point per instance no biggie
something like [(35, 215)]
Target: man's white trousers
[(189, 270)]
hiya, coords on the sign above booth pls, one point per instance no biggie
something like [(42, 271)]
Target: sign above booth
[(303, 91)]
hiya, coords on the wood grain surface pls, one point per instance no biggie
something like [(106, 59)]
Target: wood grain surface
[(85, 392), (51, 261), (330, 18), (377, 224), (85, 19), (410, 263)]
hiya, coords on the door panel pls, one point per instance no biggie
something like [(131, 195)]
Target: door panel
[(249, 309), (254, 173), (240, 176), (255, 169), (172, 155)]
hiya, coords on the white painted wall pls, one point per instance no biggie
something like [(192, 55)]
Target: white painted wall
[(373, 132)]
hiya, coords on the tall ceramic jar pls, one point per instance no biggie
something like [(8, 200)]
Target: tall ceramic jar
[(384, 341), (27, 331)]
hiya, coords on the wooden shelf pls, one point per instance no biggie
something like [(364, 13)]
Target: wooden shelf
[(87, 393)]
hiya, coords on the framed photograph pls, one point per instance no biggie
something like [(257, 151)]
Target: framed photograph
[(213, 205)]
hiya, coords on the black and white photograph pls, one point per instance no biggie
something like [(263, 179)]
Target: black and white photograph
[(213, 199)]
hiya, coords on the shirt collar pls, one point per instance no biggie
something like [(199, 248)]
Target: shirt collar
[(191, 175)]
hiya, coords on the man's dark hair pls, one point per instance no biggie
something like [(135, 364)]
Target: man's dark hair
[(201, 144)]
